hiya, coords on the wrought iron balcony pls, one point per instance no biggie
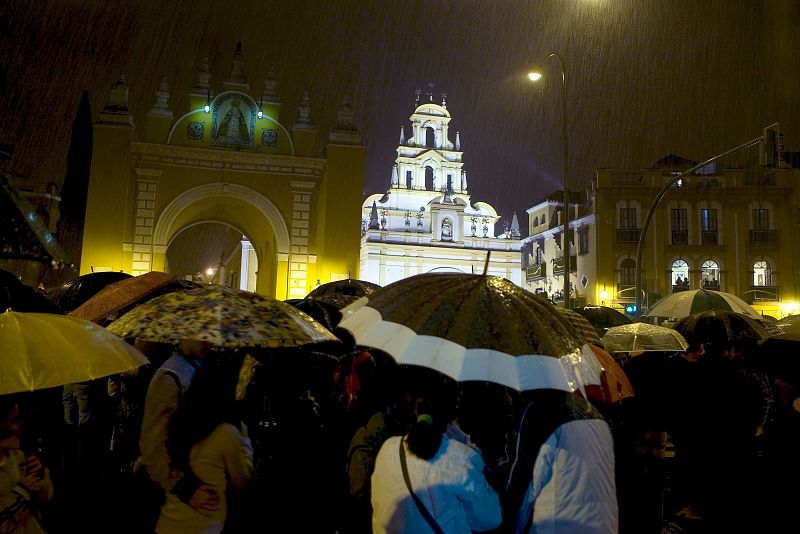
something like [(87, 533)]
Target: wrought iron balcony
[(628, 235), (709, 237), (759, 293), (558, 265), (763, 237), (535, 271), (680, 237), (681, 287)]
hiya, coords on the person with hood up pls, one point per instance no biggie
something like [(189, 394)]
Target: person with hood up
[(562, 480)]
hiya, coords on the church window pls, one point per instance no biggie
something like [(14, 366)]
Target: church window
[(449, 182), (535, 222), (430, 137), (429, 179), (543, 217), (409, 180)]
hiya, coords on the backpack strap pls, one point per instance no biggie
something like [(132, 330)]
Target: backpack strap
[(424, 511)]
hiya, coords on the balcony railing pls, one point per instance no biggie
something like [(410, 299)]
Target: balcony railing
[(681, 287), (680, 237), (758, 293), (628, 235), (626, 291), (626, 178), (763, 237), (709, 237), (535, 271), (558, 265), (713, 285)]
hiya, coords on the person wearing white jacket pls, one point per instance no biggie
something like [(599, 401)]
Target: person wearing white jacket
[(443, 489)]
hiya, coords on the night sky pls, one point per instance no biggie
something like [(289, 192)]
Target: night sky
[(646, 78)]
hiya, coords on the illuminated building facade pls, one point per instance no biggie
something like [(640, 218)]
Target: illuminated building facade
[(732, 230), (426, 220), (227, 159)]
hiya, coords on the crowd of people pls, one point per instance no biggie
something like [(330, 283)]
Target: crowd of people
[(263, 440)]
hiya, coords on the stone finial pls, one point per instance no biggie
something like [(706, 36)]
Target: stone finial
[(444, 100), (270, 93), (116, 110), (345, 131), (417, 95), (304, 113), (161, 106), (430, 91), (373, 217), (515, 227), (345, 116), (395, 176), (458, 140), (402, 135), (203, 85), (237, 75), (463, 180)]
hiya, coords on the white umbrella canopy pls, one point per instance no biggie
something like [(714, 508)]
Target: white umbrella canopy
[(43, 350), (472, 327), (643, 337), (684, 303)]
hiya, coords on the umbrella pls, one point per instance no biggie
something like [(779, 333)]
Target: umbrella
[(75, 292), (469, 327), (122, 294), (614, 384), (790, 323), (602, 317), (21, 297), (43, 350), (343, 292), (583, 328), (643, 337), (224, 316), (322, 311), (711, 326), (684, 303)]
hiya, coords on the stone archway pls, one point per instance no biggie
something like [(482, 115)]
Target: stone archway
[(240, 207)]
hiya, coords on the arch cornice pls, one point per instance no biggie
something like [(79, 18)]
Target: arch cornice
[(170, 214)]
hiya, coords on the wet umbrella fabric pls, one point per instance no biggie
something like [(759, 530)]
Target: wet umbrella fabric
[(582, 326), (75, 292), (21, 297), (42, 350), (711, 326), (685, 303), (614, 383), (643, 337), (223, 316), (343, 292), (122, 294), (469, 327), (790, 323), (602, 317), (322, 311)]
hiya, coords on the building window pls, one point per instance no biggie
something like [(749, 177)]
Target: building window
[(627, 272), (535, 222), (409, 180), (543, 219), (627, 218), (708, 226), (709, 274), (680, 275), (760, 219), (680, 227), (583, 240), (762, 273)]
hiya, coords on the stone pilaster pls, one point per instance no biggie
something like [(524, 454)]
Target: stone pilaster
[(299, 258), (144, 220)]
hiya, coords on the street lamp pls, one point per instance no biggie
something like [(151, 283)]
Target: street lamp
[(536, 76)]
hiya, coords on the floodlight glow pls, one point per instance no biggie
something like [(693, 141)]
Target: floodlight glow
[(534, 76), (206, 108), (209, 271)]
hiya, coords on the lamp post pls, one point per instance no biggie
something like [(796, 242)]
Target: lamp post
[(535, 76)]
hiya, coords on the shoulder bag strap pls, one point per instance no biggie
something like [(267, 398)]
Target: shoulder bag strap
[(424, 511)]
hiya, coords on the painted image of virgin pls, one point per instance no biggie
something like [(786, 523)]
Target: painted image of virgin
[(234, 125)]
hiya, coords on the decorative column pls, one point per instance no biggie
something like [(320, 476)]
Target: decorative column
[(144, 222), (299, 257)]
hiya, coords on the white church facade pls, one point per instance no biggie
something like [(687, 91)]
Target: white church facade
[(426, 221)]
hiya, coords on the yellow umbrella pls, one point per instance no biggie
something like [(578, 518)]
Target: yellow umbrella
[(43, 350)]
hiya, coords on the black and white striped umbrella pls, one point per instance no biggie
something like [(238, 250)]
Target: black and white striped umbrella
[(470, 327)]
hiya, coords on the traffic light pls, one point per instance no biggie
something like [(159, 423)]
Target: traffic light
[(630, 309), (770, 152)]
